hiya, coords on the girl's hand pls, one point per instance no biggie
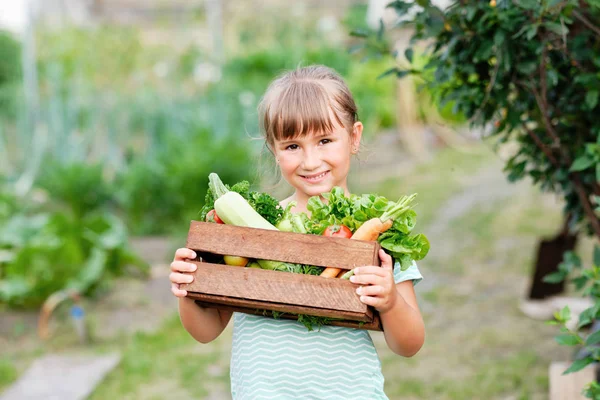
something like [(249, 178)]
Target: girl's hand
[(180, 271), (377, 287)]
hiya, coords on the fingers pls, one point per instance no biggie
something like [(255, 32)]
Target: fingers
[(372, 290), (178, 278), (368, 279), (372, 301), (178, 292), (380, 297), (182, 266), (386, 260), (181, 274), (183, 253)]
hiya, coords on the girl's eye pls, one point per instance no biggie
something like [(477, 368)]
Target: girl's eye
[(325, 141), (292, 147)]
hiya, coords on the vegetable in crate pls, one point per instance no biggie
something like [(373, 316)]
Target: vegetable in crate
[(371, 217), (235, 209)]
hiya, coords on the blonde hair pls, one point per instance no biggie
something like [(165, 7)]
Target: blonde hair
[(303, 101)]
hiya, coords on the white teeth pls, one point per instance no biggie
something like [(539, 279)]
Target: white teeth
[(316, 177)]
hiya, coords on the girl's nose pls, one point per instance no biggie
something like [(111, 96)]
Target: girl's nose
[(311, 160)]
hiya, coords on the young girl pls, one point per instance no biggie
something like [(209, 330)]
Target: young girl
[(310, 123)]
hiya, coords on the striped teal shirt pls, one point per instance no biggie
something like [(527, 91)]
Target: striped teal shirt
[(281, 359)]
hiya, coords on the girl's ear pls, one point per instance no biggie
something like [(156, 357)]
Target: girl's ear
[(357, 130)]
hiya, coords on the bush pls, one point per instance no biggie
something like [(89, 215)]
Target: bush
[(45, 248)]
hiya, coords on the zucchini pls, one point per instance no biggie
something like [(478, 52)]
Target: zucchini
[(233, 209)]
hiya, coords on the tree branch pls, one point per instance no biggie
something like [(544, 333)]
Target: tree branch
[(542, 146), (488, 89), (574, 176), (586, 22)]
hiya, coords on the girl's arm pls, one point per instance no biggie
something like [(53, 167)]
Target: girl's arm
[(403, 326), (204, 324)]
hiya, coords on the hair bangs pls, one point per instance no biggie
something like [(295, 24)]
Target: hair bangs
[(302, 108)]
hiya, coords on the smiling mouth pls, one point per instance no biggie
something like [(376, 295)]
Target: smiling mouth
[(314, 178)]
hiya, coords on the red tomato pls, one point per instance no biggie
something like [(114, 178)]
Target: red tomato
[(213, 217), (338, 231)]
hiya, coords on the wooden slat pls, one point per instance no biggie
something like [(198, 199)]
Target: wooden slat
[(281, 246), (277, 287), (374, 325), (257, 305)]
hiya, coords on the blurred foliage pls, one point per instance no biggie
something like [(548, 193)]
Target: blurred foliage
[(167, 190), (10, 72), (46, 247), (79, 187), (10, 58), (104, 56)]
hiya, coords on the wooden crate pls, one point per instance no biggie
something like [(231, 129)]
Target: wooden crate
[(259, 291)]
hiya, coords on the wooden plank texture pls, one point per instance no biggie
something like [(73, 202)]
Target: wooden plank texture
[(276, 286), (257, 305), (281, 246), (374, 325)]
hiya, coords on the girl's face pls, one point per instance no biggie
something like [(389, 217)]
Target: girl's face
[(317, 162)]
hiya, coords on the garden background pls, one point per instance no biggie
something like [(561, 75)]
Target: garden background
[(113, 114)]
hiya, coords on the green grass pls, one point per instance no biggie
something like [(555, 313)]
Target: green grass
[(170, 354), (8, 372), (436, 180)]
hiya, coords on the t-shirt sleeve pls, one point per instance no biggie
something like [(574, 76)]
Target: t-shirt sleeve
[(411, 273)]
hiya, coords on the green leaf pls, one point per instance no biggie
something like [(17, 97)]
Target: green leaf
[(499, 38), (580, 282), (402, 73), (581, 163), (409, 54), (564, 314), (555, 277), (529, 4), (594, 338), (597, 255), (568, 339), (579, 365), (380, 31), (556, 28), (389, 72), (591, 99), (92, 271), (356, 48), (531, 32), (585, 318), (598, 171), (359, 33)]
